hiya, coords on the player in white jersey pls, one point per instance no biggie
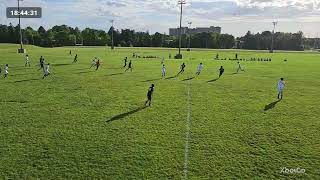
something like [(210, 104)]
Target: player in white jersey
[(6, 71), (93, 62), (281, 86), (163, 70), (239, 67), (27, 61), (46, 71), (199, 69)]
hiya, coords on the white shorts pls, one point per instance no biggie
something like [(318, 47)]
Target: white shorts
[(280, 90)]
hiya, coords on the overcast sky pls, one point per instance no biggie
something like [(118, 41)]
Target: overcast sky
[(234, 16)]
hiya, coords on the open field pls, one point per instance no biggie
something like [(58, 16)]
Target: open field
[(82, 123)]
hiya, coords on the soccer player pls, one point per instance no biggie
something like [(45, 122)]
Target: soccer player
[(41, 63), (27, 62), (70, 52), (239, 67), (200, 67), (217, 56), (182, 68), (236, 55), (221, 71), (6, 68), (46, 71), (163, 70), (162, 61), (149, 95), (129, 66), (93, 62), (281, 85), (97, 64), (169, 55), (75, 58), (125, 62)]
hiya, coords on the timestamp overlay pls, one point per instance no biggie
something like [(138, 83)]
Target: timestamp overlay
[(24, 12)]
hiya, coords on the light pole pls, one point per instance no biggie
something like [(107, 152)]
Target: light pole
[(181, 3), (189, 23), (21, 50), (272, 41), (112, 29)]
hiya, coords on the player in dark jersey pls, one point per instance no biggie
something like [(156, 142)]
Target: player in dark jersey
[(129, 66), (221, 71), (97, 64), (125, 62), (75, 58), (41, 61), (149, 95), (182, 68)]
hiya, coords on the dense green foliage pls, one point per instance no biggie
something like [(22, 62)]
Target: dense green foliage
[(85, 124), (67, 36), (282, 41)]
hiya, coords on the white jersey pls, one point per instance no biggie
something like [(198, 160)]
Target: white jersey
[(47, 69), (6, 68), (281, 85), (200, 67), (163, 69), (27, 59)]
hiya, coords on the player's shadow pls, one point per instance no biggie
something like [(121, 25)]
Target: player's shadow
[(115, 74), (123, 115), (25, 80), (149, 80), (188, 79), (213, 80), (85, 72), (171, 77), (65, 64), (271, 105)]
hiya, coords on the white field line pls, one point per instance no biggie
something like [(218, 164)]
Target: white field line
[(186, 149)]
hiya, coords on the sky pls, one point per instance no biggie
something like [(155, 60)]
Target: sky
[(235, 17)]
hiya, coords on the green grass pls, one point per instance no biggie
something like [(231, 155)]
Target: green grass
[(61, 127)]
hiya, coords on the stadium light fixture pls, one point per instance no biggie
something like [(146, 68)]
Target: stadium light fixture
[(274, 23), (189, 23), (181, 3), (112, 29), (21, 50)]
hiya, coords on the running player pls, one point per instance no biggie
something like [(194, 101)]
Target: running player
[(281, 85), (239, 67), (200, 67), (46, 71), (182, 68), (149, 95), (75, 58), (93, 62), (221, 71), (129, 66)]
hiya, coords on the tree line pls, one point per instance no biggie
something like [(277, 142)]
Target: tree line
[(64, 35)]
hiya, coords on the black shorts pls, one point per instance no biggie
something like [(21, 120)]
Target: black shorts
[(149, 97)]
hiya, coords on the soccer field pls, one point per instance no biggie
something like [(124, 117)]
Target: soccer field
[(82, 123)]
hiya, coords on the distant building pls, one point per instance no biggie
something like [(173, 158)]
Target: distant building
[(186, 30)]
